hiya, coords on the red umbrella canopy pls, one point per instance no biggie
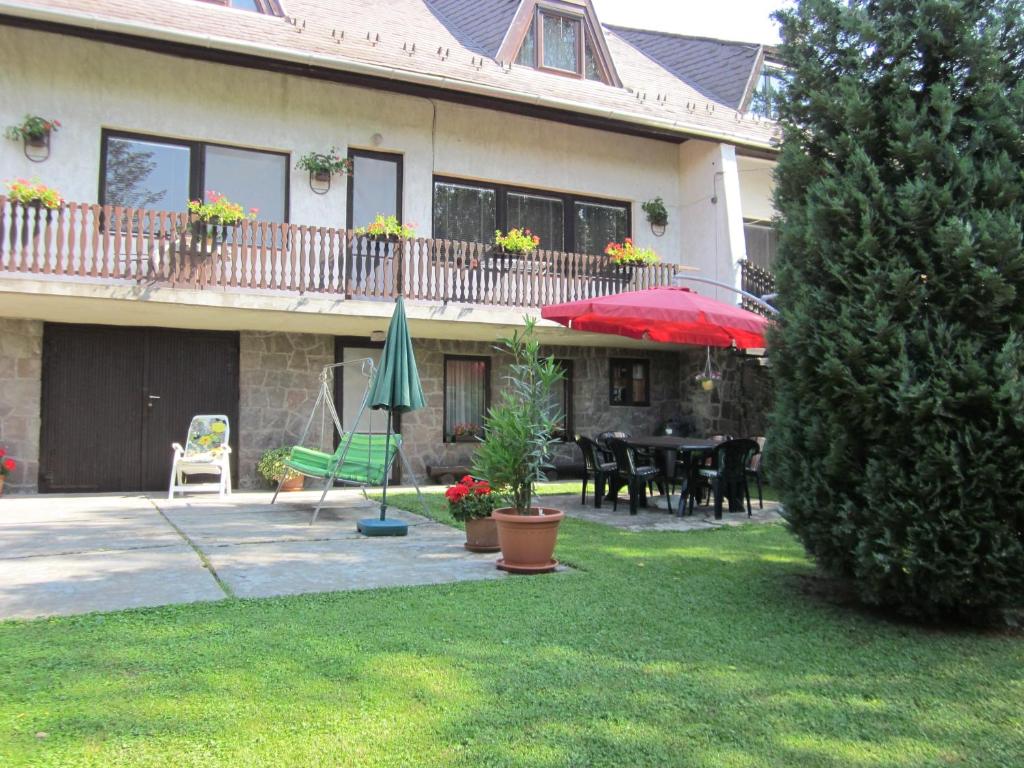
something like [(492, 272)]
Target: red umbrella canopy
[(671, 314)]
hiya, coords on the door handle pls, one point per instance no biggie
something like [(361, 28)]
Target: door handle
[(151, 399)]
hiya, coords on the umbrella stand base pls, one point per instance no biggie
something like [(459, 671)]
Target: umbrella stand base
[(371, 526)]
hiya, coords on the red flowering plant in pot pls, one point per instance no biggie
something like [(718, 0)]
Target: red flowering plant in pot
[(519, 434), (7, 466), (471, 502)]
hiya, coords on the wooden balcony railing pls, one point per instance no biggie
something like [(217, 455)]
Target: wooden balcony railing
[(758, 281), (108, 243)]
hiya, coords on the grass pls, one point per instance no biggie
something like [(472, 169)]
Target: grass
[(660, 649)]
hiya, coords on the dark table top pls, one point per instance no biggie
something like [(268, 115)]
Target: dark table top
[(672, 442)]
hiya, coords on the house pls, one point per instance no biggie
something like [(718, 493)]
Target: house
[(459, 117)]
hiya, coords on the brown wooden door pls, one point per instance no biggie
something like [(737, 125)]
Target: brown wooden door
[(114, 399)]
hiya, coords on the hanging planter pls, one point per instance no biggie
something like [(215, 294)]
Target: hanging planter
[(657, 215), (322, 166), (34, 133), (710, 376)]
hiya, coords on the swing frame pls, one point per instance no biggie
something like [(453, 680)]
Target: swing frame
[(325, 402)]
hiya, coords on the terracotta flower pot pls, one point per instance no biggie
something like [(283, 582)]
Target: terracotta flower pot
[(527, 541), (482, 535), (2, 486), (293, 483)]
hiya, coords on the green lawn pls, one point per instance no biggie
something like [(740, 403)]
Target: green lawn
[(661, 649)]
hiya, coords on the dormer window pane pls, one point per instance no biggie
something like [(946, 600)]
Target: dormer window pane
[(561, 42), (528, 50), (590, 68)]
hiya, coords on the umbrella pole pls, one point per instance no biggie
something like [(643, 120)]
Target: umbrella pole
[(387, 471)]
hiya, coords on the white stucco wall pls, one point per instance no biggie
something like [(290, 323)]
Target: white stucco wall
[(757, 184), (89, 86)]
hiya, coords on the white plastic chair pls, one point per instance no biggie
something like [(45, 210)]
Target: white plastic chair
[(206, 452)]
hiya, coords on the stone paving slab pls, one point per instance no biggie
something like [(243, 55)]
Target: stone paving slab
[(297, 567), (657, 517), (103, 581)]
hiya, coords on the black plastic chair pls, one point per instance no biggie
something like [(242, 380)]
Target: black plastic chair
[(635, 477), (754, 467), (728, 472), (594, 466), (603, 439)]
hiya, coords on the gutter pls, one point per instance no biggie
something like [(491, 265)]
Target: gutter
[(95, 22)]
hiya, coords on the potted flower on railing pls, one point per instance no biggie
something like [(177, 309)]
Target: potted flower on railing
[(387, 228), (467, 432), (625, 256), (515, 243), (210, 220), (33, 197), (33, 131), (322, 166), (471, 502)]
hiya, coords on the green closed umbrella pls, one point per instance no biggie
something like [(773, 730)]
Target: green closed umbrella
[(396, 387)]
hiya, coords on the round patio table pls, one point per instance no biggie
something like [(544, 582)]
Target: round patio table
[(668, 447)]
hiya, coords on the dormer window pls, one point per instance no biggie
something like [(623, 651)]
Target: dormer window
[(564, 38), (768, 90), (269, 7)]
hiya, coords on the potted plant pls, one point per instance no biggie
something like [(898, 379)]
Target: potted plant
[(518, 438), (33, 194), (465, 433), (625, 257), (210, 220), (387, 228), (323, 165), (515, 243), (7, 466), (272, 468), (657, 215), (471, 501), (33, 130), (709, 375)]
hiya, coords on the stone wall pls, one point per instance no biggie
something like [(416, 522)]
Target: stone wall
[(278, 384), (592, 412), (739, 403), (21, 354)]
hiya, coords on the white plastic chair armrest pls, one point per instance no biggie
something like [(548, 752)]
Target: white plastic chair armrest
[(177, 448)]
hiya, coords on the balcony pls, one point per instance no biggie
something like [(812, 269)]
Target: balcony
[(757, 281), (108, 244)]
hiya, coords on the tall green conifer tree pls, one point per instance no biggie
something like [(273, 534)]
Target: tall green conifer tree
[(897, 436)]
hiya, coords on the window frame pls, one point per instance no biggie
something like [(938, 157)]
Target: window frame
[(264, 7), (486, 360), (397, 158), (501, 191), (579, 15), (567, 364), (197, 162), (631, 361)]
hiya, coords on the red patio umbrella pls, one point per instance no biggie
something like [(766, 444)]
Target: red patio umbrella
[(671, 314)]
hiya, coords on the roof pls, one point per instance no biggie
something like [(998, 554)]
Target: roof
[(479, 25), (719, 69), (439, 45)]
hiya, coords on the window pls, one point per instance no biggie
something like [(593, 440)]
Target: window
[(629, 382), (269, 7), (374, 186), (760, 243), (471, 211), (770, 84), (598, 224), (562, 396), (150, 172), (462, 212), (544, 216), (561, 42), (467, 392), (563, 38)]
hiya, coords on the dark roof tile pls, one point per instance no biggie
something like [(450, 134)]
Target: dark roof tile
[(479, 25), (719, 69)]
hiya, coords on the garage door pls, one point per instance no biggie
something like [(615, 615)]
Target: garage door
[(114, 399)]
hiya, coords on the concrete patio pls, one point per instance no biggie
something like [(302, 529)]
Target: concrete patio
[(656, 516), (75, 554)]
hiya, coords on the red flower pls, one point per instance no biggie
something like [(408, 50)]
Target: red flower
[(2, 453), (9, 465), (467, 480)]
